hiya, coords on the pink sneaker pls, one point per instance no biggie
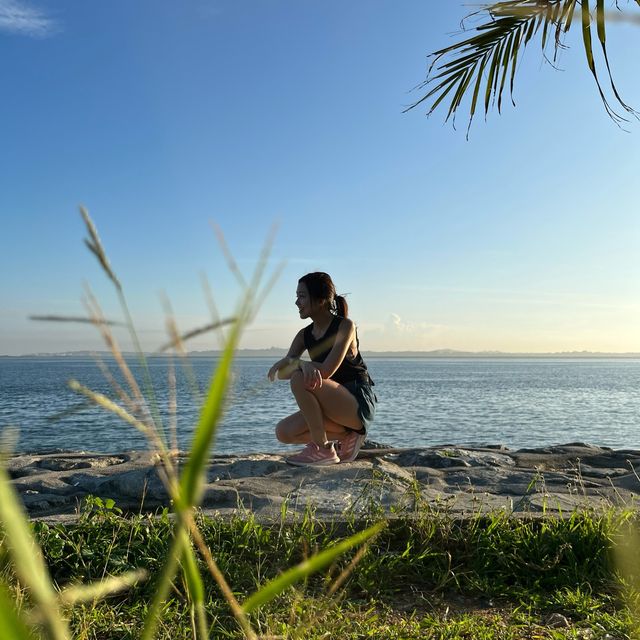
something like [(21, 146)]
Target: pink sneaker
[(350, 446), (314, 455)]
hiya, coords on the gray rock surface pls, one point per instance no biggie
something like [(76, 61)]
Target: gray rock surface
[(462, 479)]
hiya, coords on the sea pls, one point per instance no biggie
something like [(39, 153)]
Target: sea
[(515, 402)]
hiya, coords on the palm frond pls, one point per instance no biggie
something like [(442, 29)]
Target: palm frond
[(490, 56), (600, 22)]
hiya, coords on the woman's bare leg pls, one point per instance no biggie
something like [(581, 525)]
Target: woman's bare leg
[(294, 429), (330, 401)]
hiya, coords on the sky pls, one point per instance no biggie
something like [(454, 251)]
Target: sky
[(166, 119)]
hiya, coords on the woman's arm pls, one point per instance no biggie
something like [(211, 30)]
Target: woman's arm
[(344, 338), (291, 362)]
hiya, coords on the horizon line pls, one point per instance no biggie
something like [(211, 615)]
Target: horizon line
[(367, 352)]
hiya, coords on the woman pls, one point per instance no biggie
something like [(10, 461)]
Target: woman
[(333, 388)]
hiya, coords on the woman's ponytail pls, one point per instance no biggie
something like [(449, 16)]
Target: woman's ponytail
[(342, 308)]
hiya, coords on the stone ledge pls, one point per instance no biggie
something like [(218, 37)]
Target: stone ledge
[(462, 479)]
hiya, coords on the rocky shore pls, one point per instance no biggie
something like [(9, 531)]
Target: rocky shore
[(461, 479)]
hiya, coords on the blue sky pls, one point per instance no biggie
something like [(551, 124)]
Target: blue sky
[(161, 117)]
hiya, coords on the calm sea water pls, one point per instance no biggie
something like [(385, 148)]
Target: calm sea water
[(422, 402)]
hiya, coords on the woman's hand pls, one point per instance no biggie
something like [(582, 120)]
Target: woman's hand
[(283, 368), (312, 375), (273, 372)]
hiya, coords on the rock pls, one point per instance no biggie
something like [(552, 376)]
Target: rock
[(444, 459), (141, 484), (556, 621), (65, 464), (595, 472), (462, 479), (371, 444), (43, 501)]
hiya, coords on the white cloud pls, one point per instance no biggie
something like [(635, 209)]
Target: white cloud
[(397, 326), (18, 17), (398, 334)]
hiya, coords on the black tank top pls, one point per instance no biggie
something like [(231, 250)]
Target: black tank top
[(350, 369)]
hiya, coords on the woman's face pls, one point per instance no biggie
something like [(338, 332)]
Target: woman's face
[(303, 301)]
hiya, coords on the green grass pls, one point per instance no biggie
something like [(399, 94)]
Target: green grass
[(428, 575)]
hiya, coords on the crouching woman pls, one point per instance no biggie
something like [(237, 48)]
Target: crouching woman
[(333, 388)]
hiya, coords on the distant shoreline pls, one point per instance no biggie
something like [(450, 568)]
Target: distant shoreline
[(276, 352)]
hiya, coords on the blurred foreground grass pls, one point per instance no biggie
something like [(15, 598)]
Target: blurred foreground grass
[(428, 574)]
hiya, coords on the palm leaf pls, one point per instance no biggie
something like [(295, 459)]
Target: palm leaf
[(587, 41), (491, 50), (491, 54), (602, 37)]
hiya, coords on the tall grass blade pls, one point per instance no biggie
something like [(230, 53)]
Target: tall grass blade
[(195, 585), (11, 624), (115, 385), (193, 333), (28, 561), (627, 562), (69, 411), (172, 407), (93, 307), (81, 319), (218, 576), (193, 475), (95, 245), (106, 403), (178, 347), (106, 587), (213, 309), (274, 588), (268, 286), (192, 478), (162, 588), (231, 262)]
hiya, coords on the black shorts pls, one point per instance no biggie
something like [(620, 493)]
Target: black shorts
[(366, 401)]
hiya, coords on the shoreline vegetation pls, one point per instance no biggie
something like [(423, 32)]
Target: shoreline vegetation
[(428, 574), (280, 352), (461, 554), (140, 559)]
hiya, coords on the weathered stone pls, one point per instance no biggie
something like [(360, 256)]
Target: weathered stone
[(595, 472), (461, 478), (142, 484), (253, 466), (86, 482), (66, 464), (44, 501), (221, 497), (556, 621)]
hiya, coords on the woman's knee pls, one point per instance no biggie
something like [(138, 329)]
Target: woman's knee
[(284, 432), (296, 382)]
